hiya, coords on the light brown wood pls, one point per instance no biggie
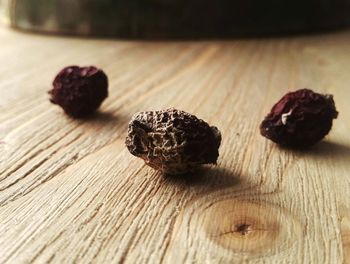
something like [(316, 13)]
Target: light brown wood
[(71, 192)]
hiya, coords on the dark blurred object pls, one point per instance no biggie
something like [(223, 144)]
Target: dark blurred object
[(177, 18)]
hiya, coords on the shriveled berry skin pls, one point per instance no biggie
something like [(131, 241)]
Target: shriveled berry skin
[(79, 90), (172, 141), (299, 119)]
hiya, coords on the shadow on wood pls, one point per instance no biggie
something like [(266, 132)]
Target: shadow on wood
[(331, 149), (323, 149), (211, 178), (101, 117)]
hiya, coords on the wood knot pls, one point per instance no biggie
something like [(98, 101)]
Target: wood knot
[(229, 229), (250, 227), (243, 229)]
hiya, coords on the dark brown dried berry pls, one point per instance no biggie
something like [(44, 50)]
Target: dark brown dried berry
[(79, 90), (299, 119), (172, 141)]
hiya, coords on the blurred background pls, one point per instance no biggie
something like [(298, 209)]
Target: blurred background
[(175, 18)]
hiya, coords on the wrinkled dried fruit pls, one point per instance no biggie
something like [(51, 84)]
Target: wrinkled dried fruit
[(172, 141), (299, 119), (79, 90)]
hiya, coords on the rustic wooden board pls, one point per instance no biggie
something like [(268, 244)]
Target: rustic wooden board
[(71, 192)]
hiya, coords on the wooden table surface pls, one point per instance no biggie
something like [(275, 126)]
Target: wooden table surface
[(71, 192)]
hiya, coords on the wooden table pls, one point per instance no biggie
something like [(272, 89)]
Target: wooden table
[(71, 192)]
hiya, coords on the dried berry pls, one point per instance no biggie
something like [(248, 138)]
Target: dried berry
[(172, 141), (79, 90), (299, 119)]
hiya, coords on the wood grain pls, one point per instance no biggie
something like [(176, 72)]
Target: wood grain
[(71, 193)]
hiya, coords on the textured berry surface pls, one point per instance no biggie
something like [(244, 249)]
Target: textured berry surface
[(299, 119), (172, 141), (79, 90)]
